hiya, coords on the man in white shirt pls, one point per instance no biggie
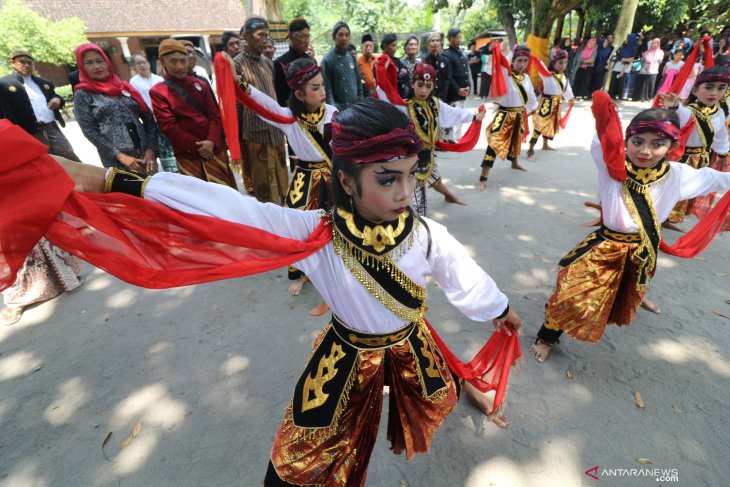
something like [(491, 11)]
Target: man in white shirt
[(32, 103)]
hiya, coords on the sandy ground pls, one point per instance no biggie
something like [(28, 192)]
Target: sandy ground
[(208, 369)]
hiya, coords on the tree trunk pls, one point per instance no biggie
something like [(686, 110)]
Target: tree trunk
[(268, 9), (508, 21), (546, 12), (623, 28), (559, 27), (581, 22)]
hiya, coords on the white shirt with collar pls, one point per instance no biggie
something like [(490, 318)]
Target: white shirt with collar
[(38, 101)]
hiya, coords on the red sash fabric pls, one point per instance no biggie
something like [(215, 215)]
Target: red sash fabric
[(499, 83), (489, 369), (227, 102)]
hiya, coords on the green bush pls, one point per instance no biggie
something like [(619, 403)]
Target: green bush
[(65, 92)]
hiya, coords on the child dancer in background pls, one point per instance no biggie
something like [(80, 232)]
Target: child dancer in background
[(555, 89), (710, 133), (604, 278), (306, 136), (429, 116), (516, 101)]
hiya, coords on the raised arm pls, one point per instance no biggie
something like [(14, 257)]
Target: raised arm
[(273, 106), (699, 182), (198, 197)]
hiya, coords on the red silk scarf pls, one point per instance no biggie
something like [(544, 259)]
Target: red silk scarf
[(227, 102)]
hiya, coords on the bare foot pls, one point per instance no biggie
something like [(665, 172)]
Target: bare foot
[(671, 226), (321, 309), (451, 198), (516, 165), (295, 288), (481, 185), (485, 403), (531, 155), (650, 305), (547, 147), (540, 350)]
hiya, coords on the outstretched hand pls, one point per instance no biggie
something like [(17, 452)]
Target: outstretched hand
[(481, 113), (668, 100)]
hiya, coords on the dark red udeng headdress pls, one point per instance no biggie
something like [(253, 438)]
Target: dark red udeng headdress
[(521, 50), (713, 75), (425, 72), (663, 128), (360, 147), (303, 75), (560, 54)]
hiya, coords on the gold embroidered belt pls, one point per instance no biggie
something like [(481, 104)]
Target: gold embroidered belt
[(370, 341), (312, 166), (511, 109), (619, 236)]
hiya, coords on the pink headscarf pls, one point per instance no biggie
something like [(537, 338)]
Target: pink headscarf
[(653, 54), (589, 49), (112, 85)]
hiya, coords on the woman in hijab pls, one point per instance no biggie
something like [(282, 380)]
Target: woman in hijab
[(113, 115), (651, 58), (600, 67), (584, 73), (622, 66)]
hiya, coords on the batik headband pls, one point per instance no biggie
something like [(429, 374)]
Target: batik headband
[(356, 146), (302, 76), (662, 128), (560, 55)]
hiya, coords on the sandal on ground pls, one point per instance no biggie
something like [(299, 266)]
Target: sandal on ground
[(10, 316)]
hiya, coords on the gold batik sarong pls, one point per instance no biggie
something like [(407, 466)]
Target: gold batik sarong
[(598, 287), (422, 393), (546, 119), (697, 158), (506, 132), (216, 170)]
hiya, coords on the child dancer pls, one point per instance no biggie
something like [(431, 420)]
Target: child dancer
[(555, 89), (429, 115), (508, 128), (306, 136), (369, 260), (710, 133), (604, 278)]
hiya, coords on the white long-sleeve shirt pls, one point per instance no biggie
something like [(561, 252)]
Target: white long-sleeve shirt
[(720, 142), (513, 98), (448, 116), (682, 183), (553, 87), (465, 284), (295, 135)]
